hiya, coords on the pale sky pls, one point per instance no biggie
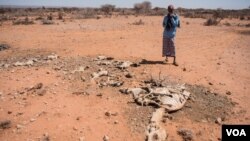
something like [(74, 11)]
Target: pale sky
[(213, 4)]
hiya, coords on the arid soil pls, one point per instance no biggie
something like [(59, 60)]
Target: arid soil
[(47, 91)]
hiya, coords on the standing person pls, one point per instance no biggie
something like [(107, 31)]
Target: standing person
[(170, 24)]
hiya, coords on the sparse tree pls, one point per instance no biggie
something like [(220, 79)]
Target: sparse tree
[(138, 7), (143, 7), (146, 6), (107, 8)]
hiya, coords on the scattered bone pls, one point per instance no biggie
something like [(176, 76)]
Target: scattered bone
[(19, 126), (37, 86), (32, 119), (170, 98), (106, 138), (154, 130), (114, 83), (80, 93), (80, 69), (124, 65), (99, 58), (100, 73), (134, 91), (28, 63), (37, 89), (218, 121), (52, 57), (104, 63)]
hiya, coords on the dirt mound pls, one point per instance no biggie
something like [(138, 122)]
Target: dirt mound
[(205, 106)]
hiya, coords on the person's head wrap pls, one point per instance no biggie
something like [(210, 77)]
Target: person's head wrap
[(170, 8)]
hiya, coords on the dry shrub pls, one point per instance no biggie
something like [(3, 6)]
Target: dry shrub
[(242, 18), (140, 22), (60, 16), (227, 24), (87, 13), (50, 17), (143, 7), (98, 17), (39, 18), (47, 22), (107, 8), (212, 21), (4, 18), (25, 21), (247, 32)]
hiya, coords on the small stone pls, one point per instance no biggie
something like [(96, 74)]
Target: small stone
[(228, 93), (81, 139), (38, 86), (6, 65), (41, 92), (107, 114), (45, 137), (78, 118), (187, 135), (32, 120), (99, 94), (19, 126), (105, 138), (184, 69), (218, 121), (9, 112), (83, 78), (5, 124), (75, 128), (4, 46), (128, 75), (116, 122), (210, 83)]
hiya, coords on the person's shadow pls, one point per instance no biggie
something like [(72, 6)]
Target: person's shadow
[(148, 62)]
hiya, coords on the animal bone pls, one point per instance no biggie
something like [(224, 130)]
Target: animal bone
[(99, 74), (154, 130)]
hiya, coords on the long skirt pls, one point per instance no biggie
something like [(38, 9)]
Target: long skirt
[(168, 48)]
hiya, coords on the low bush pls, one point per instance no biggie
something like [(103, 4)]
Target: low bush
[(212, 22), (140, 22), (25, 21), (47, 22)]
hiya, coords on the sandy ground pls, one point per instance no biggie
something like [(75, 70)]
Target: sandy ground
[(214, 57)]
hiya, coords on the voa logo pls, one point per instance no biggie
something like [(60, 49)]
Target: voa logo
[(236, 132)]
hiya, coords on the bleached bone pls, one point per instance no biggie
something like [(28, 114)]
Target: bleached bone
[(100, 73), (154, 130), (171, 99)]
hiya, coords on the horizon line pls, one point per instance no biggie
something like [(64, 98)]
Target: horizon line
[(51, 6)]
